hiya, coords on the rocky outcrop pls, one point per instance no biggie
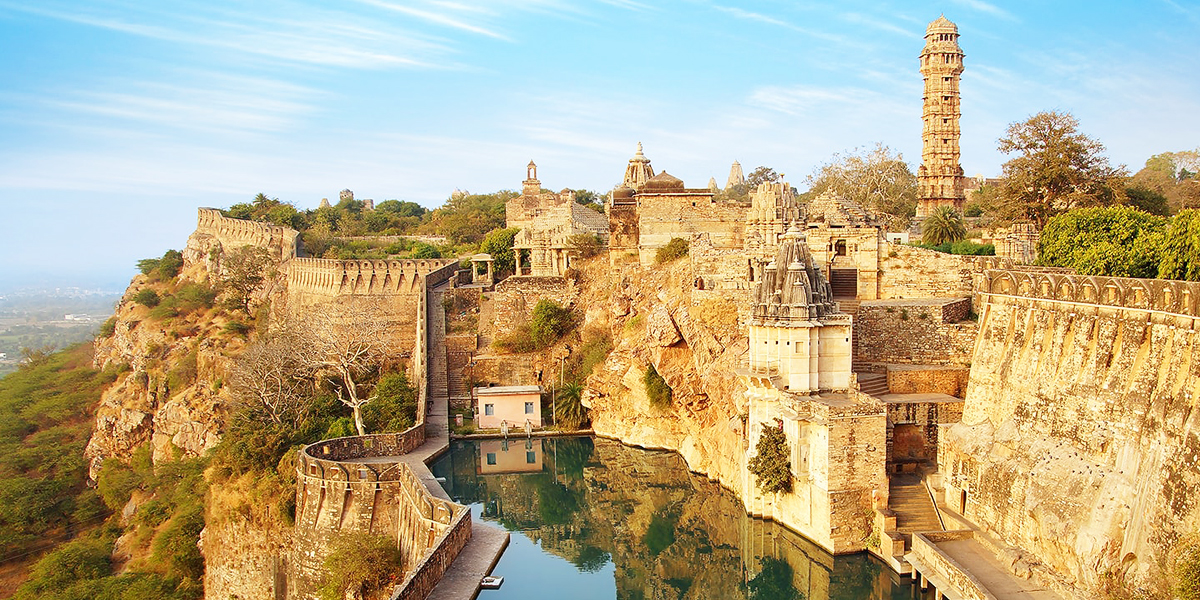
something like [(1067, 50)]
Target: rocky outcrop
[(693, 342)]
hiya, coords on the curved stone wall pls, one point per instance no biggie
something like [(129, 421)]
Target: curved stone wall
[(343, 489)]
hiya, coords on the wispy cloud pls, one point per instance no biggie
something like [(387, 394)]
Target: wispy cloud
[(321, 39), (986, 7), (761, 18), (860, 19), (439, 18)]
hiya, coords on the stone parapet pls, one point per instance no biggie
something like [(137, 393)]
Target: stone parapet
[(232, 233), (1156, 295), (363, 277)]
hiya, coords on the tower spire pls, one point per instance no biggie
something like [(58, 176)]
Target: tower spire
[(940, 176)]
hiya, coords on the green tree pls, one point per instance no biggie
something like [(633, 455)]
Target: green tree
[(875, 178), (499, 244), (1174, 176), (762, 175), (464, 218), (586, 245), (243, 272), (361, 564), (1148, 200), (550, 320), (147, 297), (402, 208), (770, 465), (590, 199), (1180, 247), (394, 407), (943, 225), (1116, 241), (1057, 168)]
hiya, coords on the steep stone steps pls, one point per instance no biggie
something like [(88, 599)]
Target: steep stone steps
[(849, 307), (914, 509), (874, 384)]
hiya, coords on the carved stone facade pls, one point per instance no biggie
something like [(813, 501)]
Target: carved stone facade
[(548, 221), (798, 379), (940, 176)]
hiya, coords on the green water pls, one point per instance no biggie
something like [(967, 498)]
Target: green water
[(592, 518)]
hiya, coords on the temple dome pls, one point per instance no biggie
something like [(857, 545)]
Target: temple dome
[(664, 181)]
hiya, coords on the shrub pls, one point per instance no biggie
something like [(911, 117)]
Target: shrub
[(236, 328), (394, 407), (176, 547), (656, 388), (194, 296), (549, 322), (147, 297), (586, 244), (675, 249), (942, 225), (361, 561), (116, 482), (108, 328), (770, 464), (570, 413)]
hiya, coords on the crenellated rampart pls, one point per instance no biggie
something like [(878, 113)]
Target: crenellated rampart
[(1080, 432), (233, 233), (1153, 295), (329, 278)]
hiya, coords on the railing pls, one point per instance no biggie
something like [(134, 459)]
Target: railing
[(1160, 295)]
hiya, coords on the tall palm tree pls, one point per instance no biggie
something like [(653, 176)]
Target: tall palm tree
[(943, 225)]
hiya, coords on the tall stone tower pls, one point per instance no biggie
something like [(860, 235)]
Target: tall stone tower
[(735, 175), (940, 177)]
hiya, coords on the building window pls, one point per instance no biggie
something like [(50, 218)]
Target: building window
[(530, 457), (489, 409), (529, 408), (491, 458)]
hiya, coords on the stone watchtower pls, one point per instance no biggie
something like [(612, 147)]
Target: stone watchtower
[(940, 176)]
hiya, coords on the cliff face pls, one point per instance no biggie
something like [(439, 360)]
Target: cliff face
[(694, 340), (172, 395), (1079, 441)]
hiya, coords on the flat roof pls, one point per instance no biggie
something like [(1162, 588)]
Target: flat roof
[(508, 389)]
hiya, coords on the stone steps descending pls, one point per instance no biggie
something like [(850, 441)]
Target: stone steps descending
[(874, 384), (849, 307), (914, 509)]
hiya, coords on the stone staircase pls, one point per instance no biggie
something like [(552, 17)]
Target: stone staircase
[(915, 512), (457, 384), (849, 307), (874, 384)]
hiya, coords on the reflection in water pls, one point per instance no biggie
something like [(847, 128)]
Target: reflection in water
[(619, 522)]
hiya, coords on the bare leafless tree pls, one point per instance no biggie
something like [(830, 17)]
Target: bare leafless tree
[(347, 345), (273, 379)]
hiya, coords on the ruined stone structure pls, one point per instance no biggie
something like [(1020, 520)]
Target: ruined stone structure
[(548, 222), (648, 210), (940, 175), (798, 379)]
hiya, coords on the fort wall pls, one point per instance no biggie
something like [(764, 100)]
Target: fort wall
[(661, 218), (933, 331), (515, 298), (340, 493), (233, 233), (1080, 438)]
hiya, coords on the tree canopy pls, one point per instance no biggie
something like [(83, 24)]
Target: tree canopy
[(1174, 176), (1056, 168), (943, 225), (875, 178), (1116, 241)]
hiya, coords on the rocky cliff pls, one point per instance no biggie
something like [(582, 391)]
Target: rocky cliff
[(694, 338)]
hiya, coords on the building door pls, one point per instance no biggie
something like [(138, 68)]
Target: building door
[(844, 283)]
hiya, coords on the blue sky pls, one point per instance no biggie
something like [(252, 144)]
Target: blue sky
[(119, 117)]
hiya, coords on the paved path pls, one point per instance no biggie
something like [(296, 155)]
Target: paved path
[(984, 566), (461, 581)]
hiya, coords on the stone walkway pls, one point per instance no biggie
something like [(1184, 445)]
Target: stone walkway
[(984, 566), (461, 581)]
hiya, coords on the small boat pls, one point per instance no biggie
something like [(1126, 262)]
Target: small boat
[(491, 582)]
